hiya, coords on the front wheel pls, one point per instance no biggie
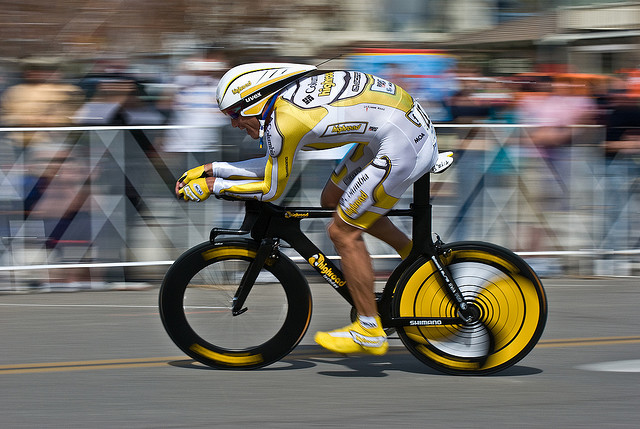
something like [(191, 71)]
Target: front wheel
[(505, 293), (196, 298)]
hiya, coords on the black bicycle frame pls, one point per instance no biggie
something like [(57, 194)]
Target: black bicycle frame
[(268, 224)]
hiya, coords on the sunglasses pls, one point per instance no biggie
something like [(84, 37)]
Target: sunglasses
[(233, 113)]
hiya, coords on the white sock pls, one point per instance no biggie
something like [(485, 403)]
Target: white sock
[(368, 321)]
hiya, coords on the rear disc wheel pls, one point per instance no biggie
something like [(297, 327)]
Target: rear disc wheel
[(506, 297)]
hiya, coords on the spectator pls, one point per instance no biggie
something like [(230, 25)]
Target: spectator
[(465, 104), (41, 100), (199, 122), (622, 169), (52, 188), (115, 98), (195, 107), (59, 201), (553, 110)]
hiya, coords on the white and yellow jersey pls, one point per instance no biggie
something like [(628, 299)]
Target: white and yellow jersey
[(394, 140)]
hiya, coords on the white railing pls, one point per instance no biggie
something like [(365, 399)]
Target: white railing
[(108, 206)]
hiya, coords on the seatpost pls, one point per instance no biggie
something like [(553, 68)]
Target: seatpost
[(422, 214), (421, 189)]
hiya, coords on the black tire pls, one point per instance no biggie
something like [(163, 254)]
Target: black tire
[(195, 306), (504, 289)]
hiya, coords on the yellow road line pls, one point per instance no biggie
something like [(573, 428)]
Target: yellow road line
[(86, 362), (90, 365), (81, 368), (586, 342), (86, 365)]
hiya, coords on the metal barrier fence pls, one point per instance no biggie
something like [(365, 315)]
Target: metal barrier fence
[(95, 204)]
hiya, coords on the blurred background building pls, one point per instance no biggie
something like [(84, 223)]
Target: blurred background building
[(105, 102), (511, 34)]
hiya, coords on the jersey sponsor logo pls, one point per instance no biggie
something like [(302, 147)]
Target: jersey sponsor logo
[(319, 262), (348, 179), (356, 82), (267, 139), (327, 85), (239, 89), (358, 184), (313, 84), (420, 137), (418, 116), (381, 85), (352, 209), (345, 128), (307, 100), (368, 106)]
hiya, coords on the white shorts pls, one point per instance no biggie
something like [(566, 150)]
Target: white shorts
[(374, 176)]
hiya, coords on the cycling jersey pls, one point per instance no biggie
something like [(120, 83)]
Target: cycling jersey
[(395, 143)]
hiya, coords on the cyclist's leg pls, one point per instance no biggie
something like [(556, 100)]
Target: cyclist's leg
[(371, 192), (383, 229), (356, 264), (372, 184), (365, 334), (363, 189), (361, 205)]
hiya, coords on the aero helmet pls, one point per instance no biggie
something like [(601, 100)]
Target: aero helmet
[(248, 87)]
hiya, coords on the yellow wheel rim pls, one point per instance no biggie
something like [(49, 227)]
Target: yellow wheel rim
[(508, 304)]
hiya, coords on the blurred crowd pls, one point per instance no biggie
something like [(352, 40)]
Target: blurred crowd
[(116, 93), (563, 111)]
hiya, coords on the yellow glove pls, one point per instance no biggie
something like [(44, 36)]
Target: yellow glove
[(194, 173), (196, 190)]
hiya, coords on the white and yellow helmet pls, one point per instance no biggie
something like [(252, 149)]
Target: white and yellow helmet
[(246, 89)]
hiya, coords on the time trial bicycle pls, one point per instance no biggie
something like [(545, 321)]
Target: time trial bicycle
[(237, 301)]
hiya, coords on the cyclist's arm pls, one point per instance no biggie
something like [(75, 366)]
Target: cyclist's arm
[(282, 139), (241, 179), (248, 169), (268, 187)]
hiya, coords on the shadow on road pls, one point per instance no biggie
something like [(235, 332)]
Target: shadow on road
[(309, 356)]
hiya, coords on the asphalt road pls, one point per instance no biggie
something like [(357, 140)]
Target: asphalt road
[(103, 360)]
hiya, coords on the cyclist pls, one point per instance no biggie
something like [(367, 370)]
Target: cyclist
[(293, 107)]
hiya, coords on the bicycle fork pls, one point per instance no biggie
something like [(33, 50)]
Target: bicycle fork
[(469, 313), (267, 249)]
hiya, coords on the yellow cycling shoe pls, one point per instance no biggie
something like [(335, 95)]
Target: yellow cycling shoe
[(355, 338)]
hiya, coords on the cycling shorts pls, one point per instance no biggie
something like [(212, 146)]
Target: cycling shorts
[(374, 176)]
